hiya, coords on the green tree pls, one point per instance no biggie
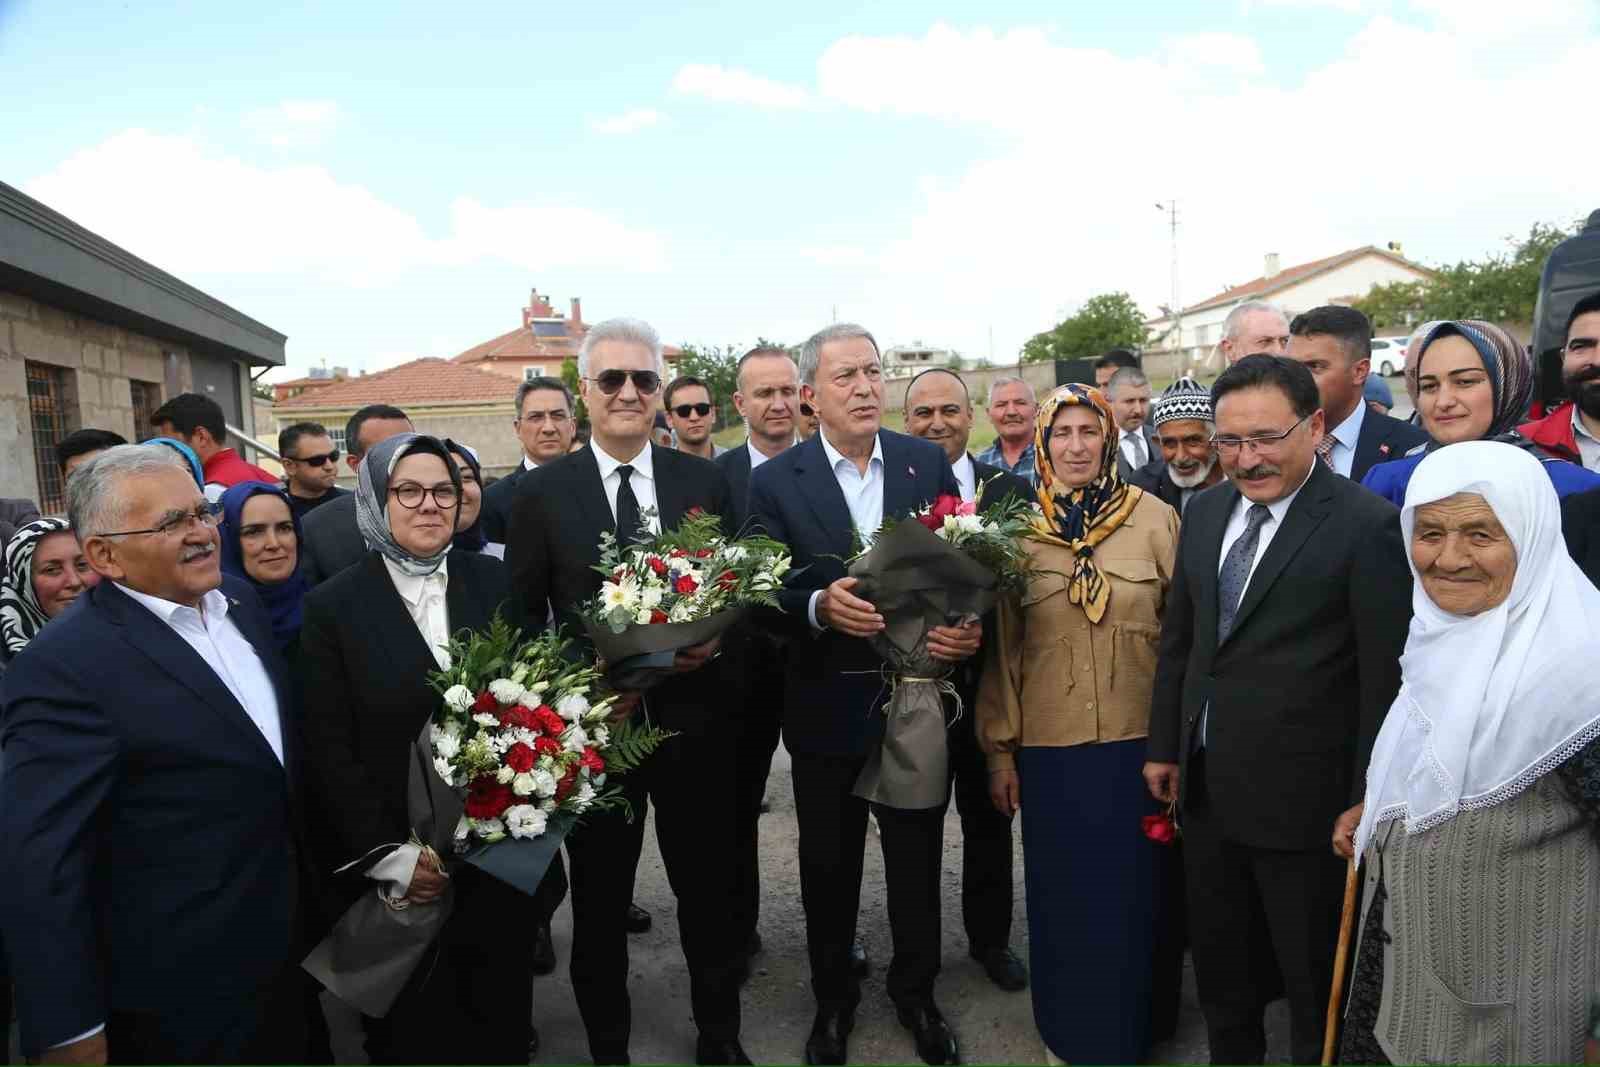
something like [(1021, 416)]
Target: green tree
[(1108, 320), (569, 376)]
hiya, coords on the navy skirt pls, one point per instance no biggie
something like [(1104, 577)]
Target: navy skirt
[(1092, 884)]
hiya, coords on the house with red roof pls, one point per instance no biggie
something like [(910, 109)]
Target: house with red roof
[(540, 345)]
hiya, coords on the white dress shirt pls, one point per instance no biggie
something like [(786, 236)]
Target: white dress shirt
[(1135, 447), (1588, 444), (225, 650), (528, 464), (1238, 521), (863, 495), (642, 481), (1346, 436), (967, 477), (758, 457)]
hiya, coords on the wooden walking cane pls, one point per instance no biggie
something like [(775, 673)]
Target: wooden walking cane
[(1341, 959)]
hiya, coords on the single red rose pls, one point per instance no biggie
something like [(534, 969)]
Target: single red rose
[(547, 746), (657, 616), (685, 584), (487, 798), (517, 715), (1160, 828), (519, 757), (549, 721), (678, 553), (930, 522), (696, 510), (704, 553), (486, 703), (568, 780), (728, 580), (593, 760), (944, 505), (656, 565)]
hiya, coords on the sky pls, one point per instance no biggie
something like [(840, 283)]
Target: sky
[(387, 181)]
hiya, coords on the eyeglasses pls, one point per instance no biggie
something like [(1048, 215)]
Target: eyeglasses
[(807, 410), (537, 418), (410, 495), (610, 382), (1261, 442), (316, 461), (176, 523), (683, 411)]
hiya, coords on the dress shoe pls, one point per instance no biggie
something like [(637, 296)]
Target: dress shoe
[(936, 1043), (543, 959), (830, 1035), (637, 920), (719, 1050), (860, 964), (1003, 968)]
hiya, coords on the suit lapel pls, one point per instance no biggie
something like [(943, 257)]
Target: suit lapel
[(671, 503), (900, 477), (591, 494), (1367, 443), (822, 493), (1303, 517)]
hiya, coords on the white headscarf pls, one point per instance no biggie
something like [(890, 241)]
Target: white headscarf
[(1488, 703)]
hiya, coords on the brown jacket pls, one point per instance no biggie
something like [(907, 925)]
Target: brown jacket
[(1051, 677)]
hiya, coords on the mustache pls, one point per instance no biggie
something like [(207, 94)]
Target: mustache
[(1588, 374), (197, 552), (1260, 470)]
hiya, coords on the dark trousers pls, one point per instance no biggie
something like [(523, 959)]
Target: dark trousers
[(264, 1026), (755, 740), (551, 892), (833, 837), (986, 884), (1233, 887), (688, 780)]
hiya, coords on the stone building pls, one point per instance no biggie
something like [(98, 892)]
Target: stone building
[(91, 335)]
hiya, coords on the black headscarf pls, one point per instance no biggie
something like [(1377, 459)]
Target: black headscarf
[(472, 538)]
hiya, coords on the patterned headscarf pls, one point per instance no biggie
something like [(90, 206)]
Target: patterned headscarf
[(372, 499), (21, 615), (1508, 363), (1079, 519)]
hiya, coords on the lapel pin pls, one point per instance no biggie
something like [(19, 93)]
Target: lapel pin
[(1383, 450), (912, 471)]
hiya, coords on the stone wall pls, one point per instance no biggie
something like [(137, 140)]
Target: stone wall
[(486, 428), (1042, 376)]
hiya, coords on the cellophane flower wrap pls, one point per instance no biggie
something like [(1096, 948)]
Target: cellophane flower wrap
[(675, 590), (941, 566)]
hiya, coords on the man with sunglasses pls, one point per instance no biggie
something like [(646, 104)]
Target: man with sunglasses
[(310, 466), (693, 416), (625, 485), (1279, 657)]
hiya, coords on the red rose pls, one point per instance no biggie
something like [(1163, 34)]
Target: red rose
[(592, 760), (696, 510), (547, 746), (656, 565), (704, 553), (1160, 828), (517, 715), (728, 580), (678, 553), (685, 584), (486, 703), (549, 721), (487, 798), (945, 505), (568, 780), (519, 757), (657, 616)]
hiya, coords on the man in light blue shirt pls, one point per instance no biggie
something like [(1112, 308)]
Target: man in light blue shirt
[(1012, 409)]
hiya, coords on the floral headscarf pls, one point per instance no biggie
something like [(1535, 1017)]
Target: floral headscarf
[(372, 499), (21, 616), (1508, 363), (1079, 519)]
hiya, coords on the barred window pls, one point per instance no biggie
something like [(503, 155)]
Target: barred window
[(53, 414), (146, 399)]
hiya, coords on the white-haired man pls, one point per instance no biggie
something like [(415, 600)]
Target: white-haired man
[(1254, 328)]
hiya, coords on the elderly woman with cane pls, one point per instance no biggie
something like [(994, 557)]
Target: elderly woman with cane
[(1480, 939)]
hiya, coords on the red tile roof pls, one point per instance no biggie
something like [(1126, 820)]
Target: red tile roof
[(1290, 275), (521, 345), (420, 383)]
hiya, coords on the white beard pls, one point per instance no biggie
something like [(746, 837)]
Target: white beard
[(1191, 481)]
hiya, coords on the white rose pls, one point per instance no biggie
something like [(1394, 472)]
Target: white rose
[(680, 565), (525, 820), (575, 739), (522, 784), (572, 707), (463, 828), (682, 611), (544, 783), (458, 698), (489, 827), (505, 690), (650, 597), (447, 744), (642, 617), (483, 718), (602, 736), (504, 775), (442, 765), (734, 553)]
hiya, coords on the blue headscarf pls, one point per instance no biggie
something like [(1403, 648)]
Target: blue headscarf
[(187, 453), (282, 599)]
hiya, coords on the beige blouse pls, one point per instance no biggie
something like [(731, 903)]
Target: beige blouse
[(1051, 677)]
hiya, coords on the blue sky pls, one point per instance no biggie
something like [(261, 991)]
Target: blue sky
[(382, 182)]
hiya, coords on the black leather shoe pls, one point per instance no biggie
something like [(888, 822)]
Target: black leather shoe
[(1003, 968), (714, 1050), (860, 964), (936, 1043), (543, 960), (830, 1035), (637, 920)]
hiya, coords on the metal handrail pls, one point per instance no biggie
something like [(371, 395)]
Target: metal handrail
[(250, 442)]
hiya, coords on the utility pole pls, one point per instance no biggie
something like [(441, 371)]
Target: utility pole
[(1170, 209)]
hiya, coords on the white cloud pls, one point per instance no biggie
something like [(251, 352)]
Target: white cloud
[(836, 255), (627, 122), (293, 123), (731, 85), (193, 211)]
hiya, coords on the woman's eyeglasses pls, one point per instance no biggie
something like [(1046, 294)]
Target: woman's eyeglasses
[(610, 382), (683, 411), (316, 461), (410, 495), (176, 523)]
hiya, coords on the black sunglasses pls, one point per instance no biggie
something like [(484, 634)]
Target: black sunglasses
[(807, 410), (610, 381), (317, 461), (683, 411)]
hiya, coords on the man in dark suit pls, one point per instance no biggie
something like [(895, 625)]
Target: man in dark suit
[(624, 484), (1335, 345), (545, 422), (1280, 649), (1580, 525), (148, 796), (329, 540), (821, 498), (1183, 428), (939, 409), (1129, 394), (768, 401)]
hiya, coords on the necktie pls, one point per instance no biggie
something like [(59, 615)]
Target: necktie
[(1325, 449), (1235, 574), (1137, 456), (627, 508)]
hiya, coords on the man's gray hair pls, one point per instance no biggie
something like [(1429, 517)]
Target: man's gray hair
[(542, 384), (1231, 324), (630, 331), (1005, 380), (811, 351), (95, 503), (1132, 377)]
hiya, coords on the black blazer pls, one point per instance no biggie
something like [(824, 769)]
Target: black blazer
[(554, 544), (1382, 438), (1580, 523), (146, 826), (832, 690), (735, 463), (362, 676), (994, 485), (497, 501), (1298, 690), (330, 539)]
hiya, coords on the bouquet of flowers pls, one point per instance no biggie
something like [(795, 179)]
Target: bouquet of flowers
[(515, 755), (941, 566), (678, 589)]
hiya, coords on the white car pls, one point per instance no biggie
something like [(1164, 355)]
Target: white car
[(1389, 355)]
